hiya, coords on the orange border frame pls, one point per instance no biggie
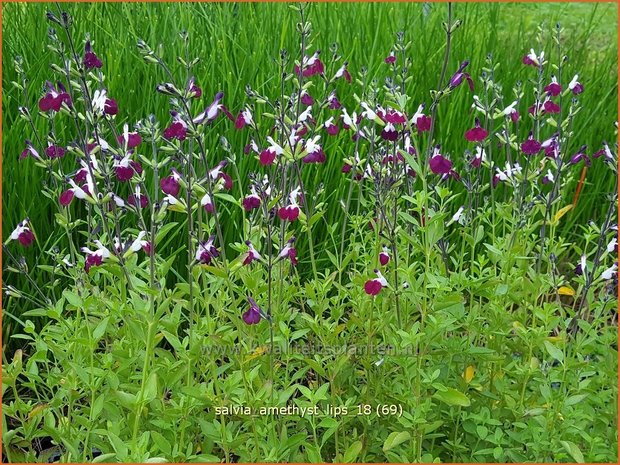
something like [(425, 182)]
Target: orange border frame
[(283, 1)]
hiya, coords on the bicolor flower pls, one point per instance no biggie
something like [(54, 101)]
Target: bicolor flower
[(606, 152), (581, 266), (23, 234), (310, 65), (613, 245), (384, 256), (96, 257), (458, 216), (306, 99), (82, 193), (343, 72), (510, 171), (575, 86), (125, 168), (91, 60), (511, 112), (129, 140), (29, 151), (212, 111), (391, 58), (477, 133), (217, 173), (139, 244), (548, 178), (254, 314), (610, 272), (102, 104), (530, 146), (207, 203), (314, 151), (193, 89), (391, 115), (421, 121), (268, 155), (581, 156), (438, 163), (252, 254), (171, 184), (374, 286), (252, 201), (348, 121), (457, 78), (289, 251), (369, 113), (532, 59), (389, 132), (244, 119), (54, 98), (137, 199), (479, 157), (331, 128), (333, 102), (551, 146), (177, 129), (206, 251), (553, 88), (291, 211)]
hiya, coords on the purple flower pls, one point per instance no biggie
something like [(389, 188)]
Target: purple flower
[(96, 257), (439, 164), (110, 107), (23, 234), (373, 286), (457, 78), (54, 98), (91, 60), (553, 88), (306, 99), (477, 133), (384, 256), (129, 140), (314, 151), (389, 132), (212, 111), (244, 119), (253, 315), (531, 146), (252, 201), (170, 184), (291, 211), (333, 102), (206, 251), (391, 58), (252, 254), (177, 129), (310, 65), (332, 128), (29, 151), (551, 107), (288, 251), (268, 155), (193, 89), (575, 86), (581, 156)]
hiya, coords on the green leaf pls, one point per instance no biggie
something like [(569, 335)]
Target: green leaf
[(352, 452), (572, 400), (100, 329), (554, 351), (395, 438), (453, 397), (573, 450)]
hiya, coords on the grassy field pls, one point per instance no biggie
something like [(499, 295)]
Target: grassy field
[(236, 50), (501, 328)]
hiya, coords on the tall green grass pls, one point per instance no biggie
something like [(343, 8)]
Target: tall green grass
[(237, 44)]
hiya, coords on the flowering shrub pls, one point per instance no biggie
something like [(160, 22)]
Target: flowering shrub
[(450, 306)]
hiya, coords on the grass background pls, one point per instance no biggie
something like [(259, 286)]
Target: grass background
[(237, 44)]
